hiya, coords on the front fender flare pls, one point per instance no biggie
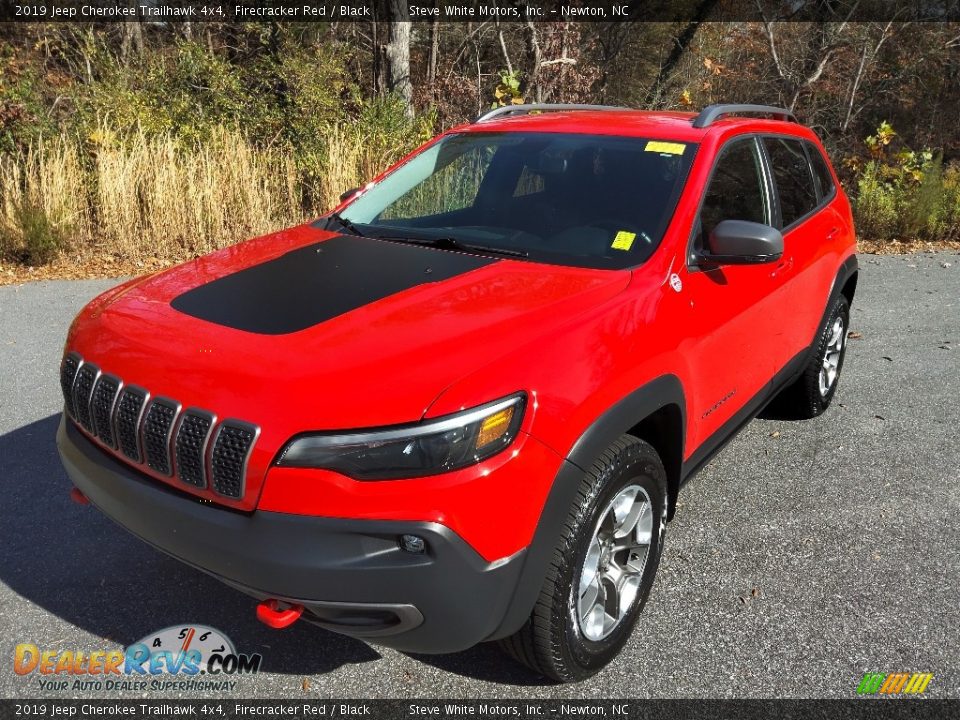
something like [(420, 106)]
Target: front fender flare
[(614, 422)]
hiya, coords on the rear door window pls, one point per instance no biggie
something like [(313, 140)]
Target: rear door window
[(794, 178)]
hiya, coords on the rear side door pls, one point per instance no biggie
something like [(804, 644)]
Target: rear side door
[(734, 325), (808, 224)]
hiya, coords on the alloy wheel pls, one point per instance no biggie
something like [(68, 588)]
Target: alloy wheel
[(613, 567), (830, 365)]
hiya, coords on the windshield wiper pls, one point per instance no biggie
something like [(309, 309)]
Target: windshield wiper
[(450, 243), (344, 223)]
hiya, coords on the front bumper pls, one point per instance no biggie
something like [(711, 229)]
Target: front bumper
[(350, 575)]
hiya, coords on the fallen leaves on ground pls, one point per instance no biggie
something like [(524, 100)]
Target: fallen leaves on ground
[(897, 247), (80, 268)]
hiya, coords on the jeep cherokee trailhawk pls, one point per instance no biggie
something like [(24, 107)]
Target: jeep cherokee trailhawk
[(461, 406)]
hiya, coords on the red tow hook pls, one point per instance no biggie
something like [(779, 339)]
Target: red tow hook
[(76, 494), (272, 615)]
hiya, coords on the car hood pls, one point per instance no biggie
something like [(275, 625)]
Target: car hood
[(305, 329)]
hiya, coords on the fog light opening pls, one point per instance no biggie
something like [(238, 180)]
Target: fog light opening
[(413, 544)]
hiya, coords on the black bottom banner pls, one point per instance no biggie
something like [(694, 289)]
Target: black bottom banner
[(913, 709)]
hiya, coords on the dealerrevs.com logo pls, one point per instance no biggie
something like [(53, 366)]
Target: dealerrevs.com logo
[(174, 658)]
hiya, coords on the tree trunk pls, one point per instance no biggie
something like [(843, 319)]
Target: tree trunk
[(398, 57), (534, 60), (131, 38), (680, 46), (434, 53)]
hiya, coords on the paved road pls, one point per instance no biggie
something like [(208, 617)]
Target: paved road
[(803, 556)]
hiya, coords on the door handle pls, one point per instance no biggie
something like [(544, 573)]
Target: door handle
[(783, 266), (832, 233)]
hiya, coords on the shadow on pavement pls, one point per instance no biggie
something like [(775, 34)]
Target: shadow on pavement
[(75, 563), (486, 662)]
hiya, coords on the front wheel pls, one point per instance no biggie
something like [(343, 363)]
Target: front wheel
[(602, 569)]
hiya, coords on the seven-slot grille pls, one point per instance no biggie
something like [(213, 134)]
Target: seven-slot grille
[(189, 445)]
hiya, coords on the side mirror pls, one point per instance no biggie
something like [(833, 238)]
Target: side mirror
[(344, 196), (740, 242)]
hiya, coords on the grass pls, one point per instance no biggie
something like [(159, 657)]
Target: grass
[(155, 197), (43, 202)]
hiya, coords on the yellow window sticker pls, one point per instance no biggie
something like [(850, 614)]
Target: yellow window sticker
[(668, 148), (623, 240)]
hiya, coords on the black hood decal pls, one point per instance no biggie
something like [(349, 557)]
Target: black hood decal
[(312, 284)]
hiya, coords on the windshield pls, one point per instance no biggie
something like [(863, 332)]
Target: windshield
[(584, 200)]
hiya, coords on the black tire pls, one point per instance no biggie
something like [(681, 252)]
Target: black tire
[(803, 399), (551, 642)]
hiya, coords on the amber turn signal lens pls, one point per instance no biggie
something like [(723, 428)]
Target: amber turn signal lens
[(494, 427)]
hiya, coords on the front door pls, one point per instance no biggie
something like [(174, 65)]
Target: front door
[(734, 322)]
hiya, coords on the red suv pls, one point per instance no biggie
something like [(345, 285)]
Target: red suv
[(460, 407)]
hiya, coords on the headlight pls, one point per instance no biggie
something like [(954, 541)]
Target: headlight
[(427, 448)]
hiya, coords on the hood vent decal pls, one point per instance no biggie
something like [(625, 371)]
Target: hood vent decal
[(316, 283)]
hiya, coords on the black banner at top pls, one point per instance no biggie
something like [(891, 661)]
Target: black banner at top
[(476, 11)]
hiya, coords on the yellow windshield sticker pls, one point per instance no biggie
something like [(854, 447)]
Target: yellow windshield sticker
[(665, 147), (623, 240)]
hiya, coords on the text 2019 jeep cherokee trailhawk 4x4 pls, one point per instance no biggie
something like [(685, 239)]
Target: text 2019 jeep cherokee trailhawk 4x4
[(460, 407)]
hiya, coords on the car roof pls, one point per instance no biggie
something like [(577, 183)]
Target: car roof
[(660, 125)]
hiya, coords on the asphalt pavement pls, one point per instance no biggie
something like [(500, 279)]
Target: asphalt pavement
[(803, 556)]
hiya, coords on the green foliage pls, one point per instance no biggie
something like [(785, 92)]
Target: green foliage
[(876, 205), (507, 91), (906, 195), (34, 237), (185, 91), (309, 96), (24, 105), (884, 135)]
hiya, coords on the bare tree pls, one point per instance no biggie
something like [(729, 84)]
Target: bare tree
[(797, 75), (867, 58), (503, 48), (132, 37), (534, 61), (397, 54), (434, 53)]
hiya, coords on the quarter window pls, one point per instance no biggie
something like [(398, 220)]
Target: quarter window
[(820, 170), (736, 190), (795, 184)]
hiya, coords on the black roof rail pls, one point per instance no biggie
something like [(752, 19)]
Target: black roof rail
[(711, 113), (539, 107)]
